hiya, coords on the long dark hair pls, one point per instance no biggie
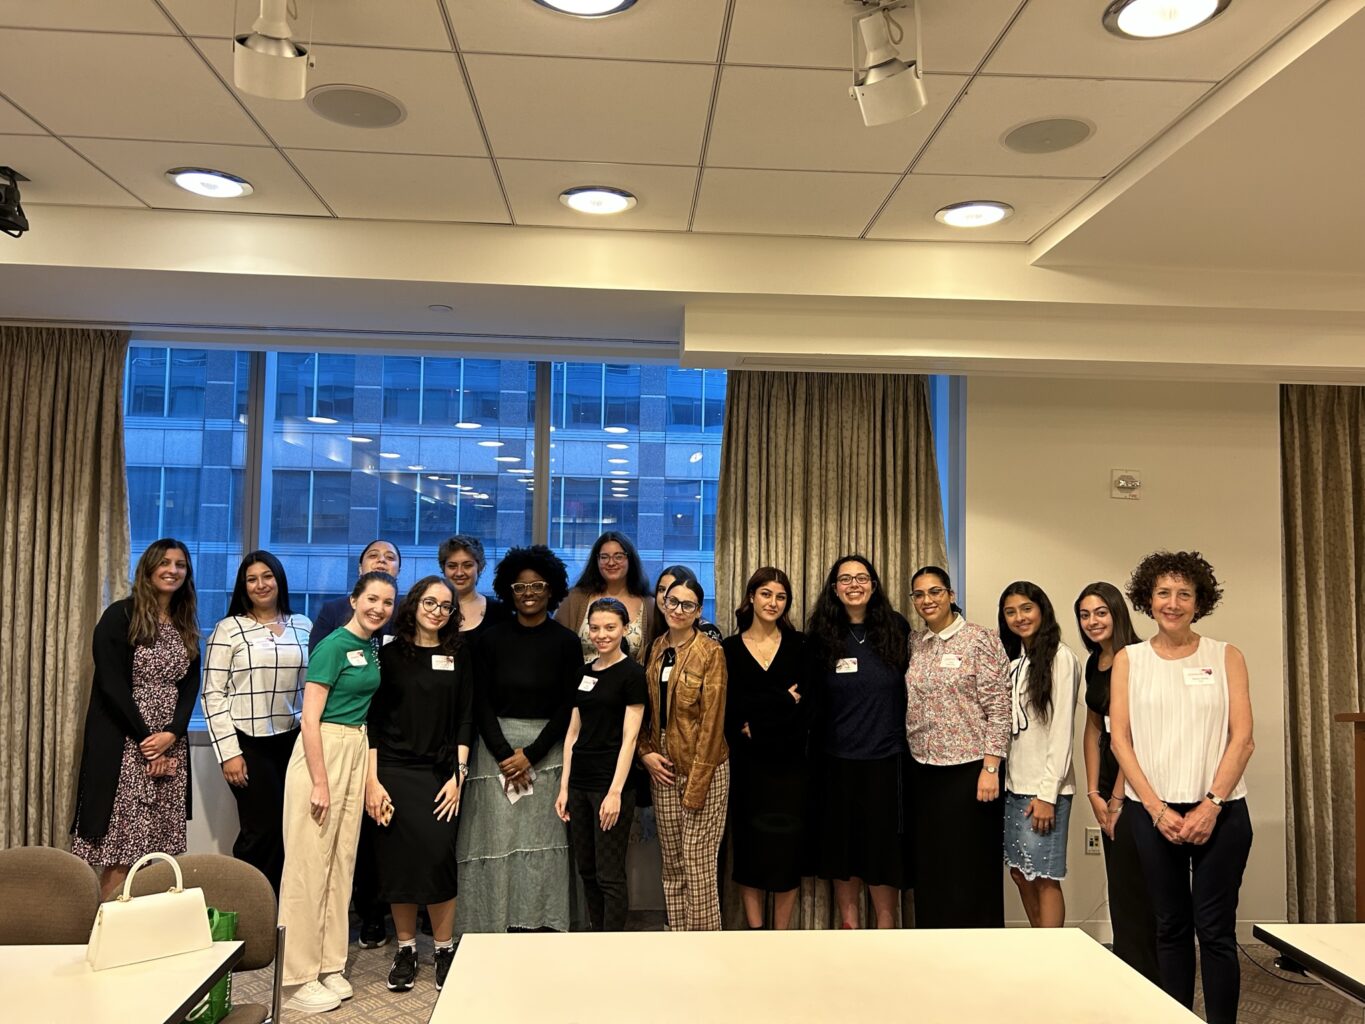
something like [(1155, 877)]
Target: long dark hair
[(241, 600), (183, 610), (828, 624), (1124, 633), (679, 573), (1041, 651), (591, 580), (744, 614), (405, 618)]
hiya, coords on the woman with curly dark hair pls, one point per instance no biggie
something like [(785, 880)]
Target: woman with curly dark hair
[(421, 726), (614, 570), (1180, 705), (856, 658), (1039, 780), (958, 728), (514, 861)]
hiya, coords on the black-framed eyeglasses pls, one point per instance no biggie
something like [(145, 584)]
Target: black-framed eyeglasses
[(686, 607), (934, 592), (430, 604), (535, 589), (848, 579)]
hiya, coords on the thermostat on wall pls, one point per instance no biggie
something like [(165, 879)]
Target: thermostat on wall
[(1125, 483)]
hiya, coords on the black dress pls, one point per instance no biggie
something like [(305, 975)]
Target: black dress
[(1130, 911), (421, 714), (768, 769)]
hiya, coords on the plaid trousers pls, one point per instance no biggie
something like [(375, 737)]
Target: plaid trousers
[(689, 842)]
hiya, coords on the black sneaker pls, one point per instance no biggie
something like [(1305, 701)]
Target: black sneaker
[(403, 973), (444, 957), (373, 934)]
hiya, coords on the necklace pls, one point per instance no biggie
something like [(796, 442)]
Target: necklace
[(853, 631), (764, 650)]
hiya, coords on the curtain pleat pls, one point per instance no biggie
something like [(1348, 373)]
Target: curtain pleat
[(1322, 441), (63, 557), (814, 466)]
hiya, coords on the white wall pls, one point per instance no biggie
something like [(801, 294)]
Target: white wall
[(1039, 455), (214, 825)]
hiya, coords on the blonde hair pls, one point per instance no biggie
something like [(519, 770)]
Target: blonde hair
[(184, 606)]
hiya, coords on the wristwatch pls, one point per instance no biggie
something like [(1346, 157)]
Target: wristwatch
[(1217, 801), (990, 769)]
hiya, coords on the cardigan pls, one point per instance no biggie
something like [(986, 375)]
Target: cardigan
[(113, 717)]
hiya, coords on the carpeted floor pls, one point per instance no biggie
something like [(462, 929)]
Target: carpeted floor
[(1268, 996)]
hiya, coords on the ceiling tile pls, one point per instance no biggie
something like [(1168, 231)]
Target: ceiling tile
[(687, 31), (548, 108), (819, 33), (663, 194), (804, 119), (788, 202), (141, 168), (440, 119), (415, 24), (1126, 116), (87, 15), (128, 87), (1067, 37), (13, 122), (386, 186), (57, 175), (1037, 203)]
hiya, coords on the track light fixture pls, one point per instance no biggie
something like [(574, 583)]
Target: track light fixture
[(886, 87), (267, 62), (12, 219)]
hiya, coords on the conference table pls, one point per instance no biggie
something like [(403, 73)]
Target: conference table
[(55, 984), (1331, 954), (1020, 975)]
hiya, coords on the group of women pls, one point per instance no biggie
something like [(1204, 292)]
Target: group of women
[(864, 751)]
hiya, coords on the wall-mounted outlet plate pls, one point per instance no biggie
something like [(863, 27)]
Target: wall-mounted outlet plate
[(1092, 841)]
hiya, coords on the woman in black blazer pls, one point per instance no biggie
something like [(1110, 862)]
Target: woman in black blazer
[(134, 792)]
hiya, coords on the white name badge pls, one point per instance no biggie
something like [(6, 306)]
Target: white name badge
[(443, 662), (663, 676), (950, 661), (1107, 726), (356, 658), (587, 684), (263, 644), (1198, 677), (386, 640), (846, 665)]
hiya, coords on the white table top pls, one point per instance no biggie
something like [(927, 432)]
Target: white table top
[(798, 977), (55, 983), (1334, 953)]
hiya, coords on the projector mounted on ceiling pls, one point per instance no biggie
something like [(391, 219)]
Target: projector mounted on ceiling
[(12, 219), (886, 87), (267, 62)]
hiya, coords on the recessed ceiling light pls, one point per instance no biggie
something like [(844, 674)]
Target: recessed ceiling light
[(519, 470), (597, 199), (1156, 19), (587, 8), (978, 213), (324, 420), (619, 462), (617, 430), (357, 439), (1050, 135), (211, 184), (418, 467), (355, 106), (505, 458), (617, 446), (466, 425), (388, 455), (490, 444), (620, 472), (694, 457)]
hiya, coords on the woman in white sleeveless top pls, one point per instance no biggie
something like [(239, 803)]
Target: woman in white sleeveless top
[(1180, 708)]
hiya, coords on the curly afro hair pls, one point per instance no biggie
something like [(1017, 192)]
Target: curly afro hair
[(541, 560), (1189, 566)]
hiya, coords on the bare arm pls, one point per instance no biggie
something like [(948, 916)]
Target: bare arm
[(1167, 821), (310, 726), (1199, 822)]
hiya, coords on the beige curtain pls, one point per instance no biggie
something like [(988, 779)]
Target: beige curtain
[(63, 557), (814, 466), (1322, 442)]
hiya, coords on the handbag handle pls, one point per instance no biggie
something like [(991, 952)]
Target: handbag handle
[(179, 886)]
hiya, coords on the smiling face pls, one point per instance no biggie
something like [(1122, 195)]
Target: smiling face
[(769, 601), (168, 575), (661, 589), (381, 556), (682, 607), (853, 585), (1094, 619), (434, 608), (374, 606), (462, 570), (933, 601), (262, 588), (1022, 616), (604, 632), (612, 562), (1173, 603), (530, 595)]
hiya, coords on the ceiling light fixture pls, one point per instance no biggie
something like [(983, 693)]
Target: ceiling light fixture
[(1157, 19), (490, 444), (506, 458), (211, 184), (617, 446), (617, 430), (587, 8), (619, 462), (886, 87), (598, 200), (388, 455), (467, 425), (357, 439), (267, 62), (325, 420), (976, 213)]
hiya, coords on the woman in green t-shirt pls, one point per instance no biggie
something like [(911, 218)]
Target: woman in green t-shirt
[(324, 800)]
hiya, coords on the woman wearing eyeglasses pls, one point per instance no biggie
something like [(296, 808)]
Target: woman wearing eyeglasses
[(515, 867), (613, 570), (957, 723), (670, 575), (683, 748), (421, 726)]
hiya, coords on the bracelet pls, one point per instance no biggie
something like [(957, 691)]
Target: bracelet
[(1164, 808), (1093, 792), (463, 769)]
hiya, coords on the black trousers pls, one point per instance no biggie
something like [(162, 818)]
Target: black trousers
[(260, 803), (959, 848), (1194, 891), (1130, 909), (601, 857)]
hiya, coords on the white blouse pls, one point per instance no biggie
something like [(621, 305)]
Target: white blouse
[(1178, 715), (253, 680), (1039, 762)]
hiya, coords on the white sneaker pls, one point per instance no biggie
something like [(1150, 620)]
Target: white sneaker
[(338, 985), (314, 997)]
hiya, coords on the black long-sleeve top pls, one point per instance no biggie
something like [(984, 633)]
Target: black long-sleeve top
[(526, 672), (760, 698), (423, 710)]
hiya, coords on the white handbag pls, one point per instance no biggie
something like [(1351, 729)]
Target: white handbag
[(129, 930)]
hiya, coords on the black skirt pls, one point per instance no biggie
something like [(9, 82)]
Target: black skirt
[(959, 848), (861, 821), (767, 820), (415, 853)]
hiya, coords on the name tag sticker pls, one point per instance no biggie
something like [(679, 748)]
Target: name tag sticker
[(1198, 677), (356, 658), (386, 640), (263, 644), (1107, 726), (950, 661), (665, 674), (846, 665), (443, 662), (587, 684)]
